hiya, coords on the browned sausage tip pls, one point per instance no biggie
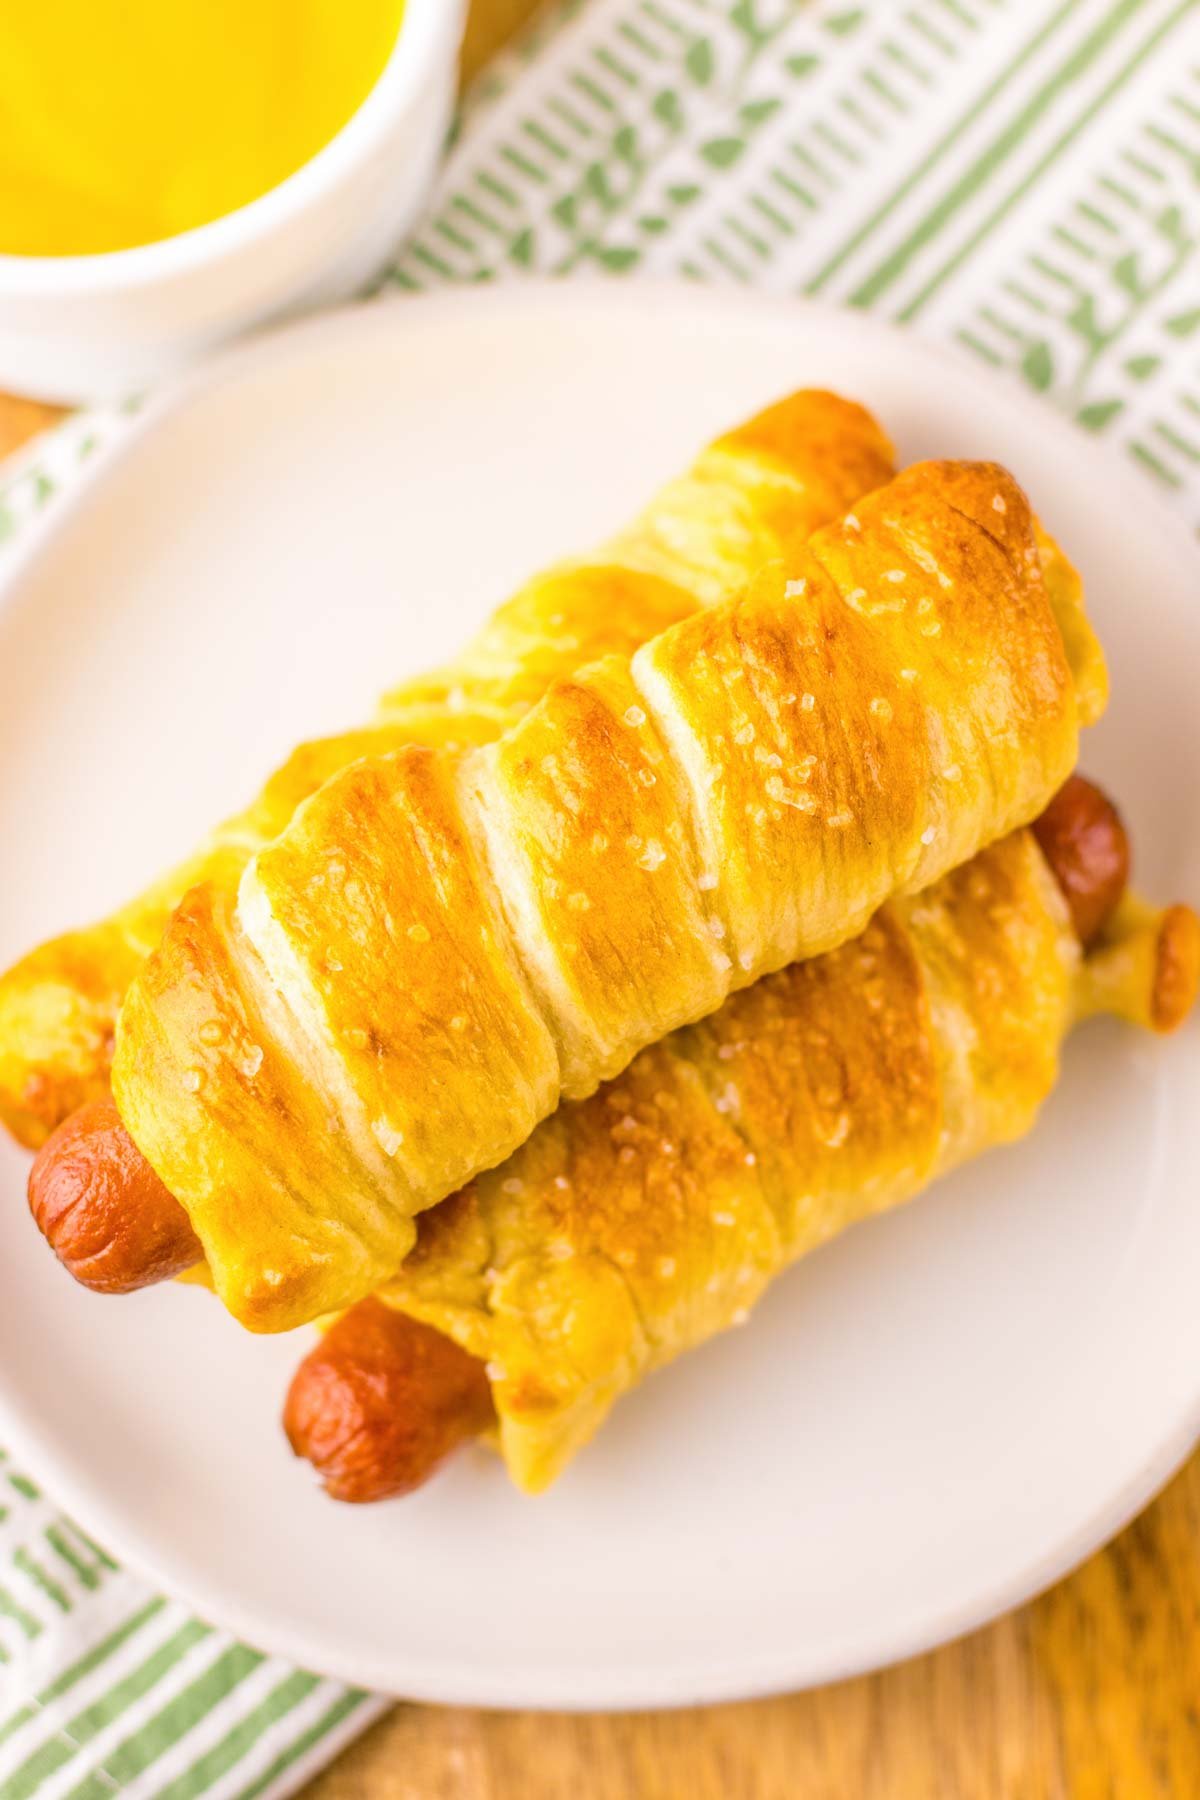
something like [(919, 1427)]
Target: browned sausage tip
[(381, 1401), (1082, 838), (102, 1209)]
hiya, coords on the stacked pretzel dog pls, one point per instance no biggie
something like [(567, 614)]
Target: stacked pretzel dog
[(733, 885)]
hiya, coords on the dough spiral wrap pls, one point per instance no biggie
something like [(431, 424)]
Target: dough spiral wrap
[(441, 945), (637, 1224), (750, 493)]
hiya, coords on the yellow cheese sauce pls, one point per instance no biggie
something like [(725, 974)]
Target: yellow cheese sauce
[(126, 121)]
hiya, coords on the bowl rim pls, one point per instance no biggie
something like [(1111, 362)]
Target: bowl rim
[(429, 34)]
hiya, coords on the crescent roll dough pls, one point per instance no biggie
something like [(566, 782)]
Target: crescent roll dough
[(442, 945), (640, 1222), (750, 494)]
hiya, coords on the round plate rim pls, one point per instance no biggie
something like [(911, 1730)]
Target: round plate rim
[(548, 1687)]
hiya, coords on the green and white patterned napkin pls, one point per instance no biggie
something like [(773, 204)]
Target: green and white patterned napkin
[(1018, 177), (108, 1688)]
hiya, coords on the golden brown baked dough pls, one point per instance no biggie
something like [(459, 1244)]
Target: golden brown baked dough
[(747, 496), (638, 1223), (441, 945)]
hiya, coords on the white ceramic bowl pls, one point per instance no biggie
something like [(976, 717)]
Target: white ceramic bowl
[(94, 327)]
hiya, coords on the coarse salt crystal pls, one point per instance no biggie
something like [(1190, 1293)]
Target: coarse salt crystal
[(386, 1136), (835, 1138), (777, 789)]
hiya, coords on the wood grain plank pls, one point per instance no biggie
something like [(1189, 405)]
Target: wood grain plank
[(21, 420), (490, 24)]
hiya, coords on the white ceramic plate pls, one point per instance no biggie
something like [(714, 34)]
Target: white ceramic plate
[(923, 1424)]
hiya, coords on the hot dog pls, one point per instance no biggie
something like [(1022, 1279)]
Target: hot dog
[(115, 1228), (102, 1209), (381, 1402), (1082, 838)]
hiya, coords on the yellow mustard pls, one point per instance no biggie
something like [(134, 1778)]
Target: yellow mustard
[(126, 121)]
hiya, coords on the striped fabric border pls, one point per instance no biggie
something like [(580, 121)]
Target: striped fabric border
[(106, 1688), (1020, 180)]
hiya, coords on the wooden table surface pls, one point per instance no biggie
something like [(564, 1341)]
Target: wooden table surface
[(1090, 1693)]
